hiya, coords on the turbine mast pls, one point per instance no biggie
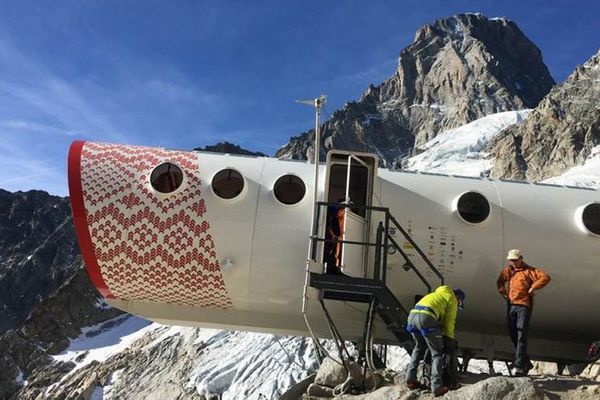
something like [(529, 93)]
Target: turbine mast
[(317, 103)]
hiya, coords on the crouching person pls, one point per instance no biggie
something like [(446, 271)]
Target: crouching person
[(433, 317)]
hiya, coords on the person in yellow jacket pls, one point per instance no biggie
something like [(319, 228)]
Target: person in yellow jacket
[(433, 317)]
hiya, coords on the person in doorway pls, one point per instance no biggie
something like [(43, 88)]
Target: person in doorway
[(518, 283), (332, 232), (432, 318), (335, 232)]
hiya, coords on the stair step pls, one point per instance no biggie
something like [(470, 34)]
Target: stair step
[(363, 290), (347, 296)]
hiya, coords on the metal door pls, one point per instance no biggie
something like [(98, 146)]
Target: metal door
[(350, 178)]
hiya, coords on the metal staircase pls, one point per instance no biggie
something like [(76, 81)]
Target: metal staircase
[(371, 290), (364, 290)]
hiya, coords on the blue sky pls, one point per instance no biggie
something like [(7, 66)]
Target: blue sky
[(183, 74)]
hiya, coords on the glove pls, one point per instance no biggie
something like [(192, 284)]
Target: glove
[(449, 343), (593, 350)]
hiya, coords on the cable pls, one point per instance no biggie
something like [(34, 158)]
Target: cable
[(318, 344), (369, 335), (290, 358)]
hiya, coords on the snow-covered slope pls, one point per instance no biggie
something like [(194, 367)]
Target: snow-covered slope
[(586, 175), (128, 357), (459, 151), (133, 358)]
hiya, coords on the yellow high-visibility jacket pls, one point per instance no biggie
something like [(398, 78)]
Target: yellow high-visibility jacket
[(444, 305)]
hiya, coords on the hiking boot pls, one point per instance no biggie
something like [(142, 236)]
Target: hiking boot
[(412, 385), (520, 372), (529, 366), (442, 390)]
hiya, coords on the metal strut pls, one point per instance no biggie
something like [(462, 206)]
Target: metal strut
[(337, 338)]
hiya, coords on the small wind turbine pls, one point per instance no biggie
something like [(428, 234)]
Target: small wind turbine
[(317, 103)]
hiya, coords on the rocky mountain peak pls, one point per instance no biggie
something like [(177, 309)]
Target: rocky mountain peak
[(457, 69), (559, 134), (495, 41)]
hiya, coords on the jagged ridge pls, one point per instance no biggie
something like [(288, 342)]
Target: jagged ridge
[(456, 70)]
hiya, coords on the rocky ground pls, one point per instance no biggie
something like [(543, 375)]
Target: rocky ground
[(585, 386)]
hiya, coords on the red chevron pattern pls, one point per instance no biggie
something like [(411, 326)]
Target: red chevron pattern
[(150, 246)]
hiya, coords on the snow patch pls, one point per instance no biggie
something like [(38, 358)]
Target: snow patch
[(19, 380), (101, 341), (390, 105), (369, 118), (435, 106), (586, 175), (459, 151), (108, 389), (101, 304)]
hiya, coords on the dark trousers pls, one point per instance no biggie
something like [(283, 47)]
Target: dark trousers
[(432, 341), (450, 363), (518, 323)]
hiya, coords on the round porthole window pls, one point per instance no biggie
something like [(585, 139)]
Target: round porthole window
[(289, 189), (228, 183), (166, 178), (473, 207), (591, 218)]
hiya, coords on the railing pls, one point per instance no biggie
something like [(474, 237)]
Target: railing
[(383, 241)]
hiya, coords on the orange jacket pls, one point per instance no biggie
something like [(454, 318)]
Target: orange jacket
[(520, 281)]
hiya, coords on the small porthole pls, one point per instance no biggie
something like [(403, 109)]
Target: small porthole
[(166, 178), (228, 183), (289, 189), (591, 218), (473, 207)]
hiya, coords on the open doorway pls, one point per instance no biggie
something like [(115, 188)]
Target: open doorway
[(349, 185)]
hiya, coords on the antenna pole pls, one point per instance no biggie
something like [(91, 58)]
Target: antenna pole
[(319, 102)]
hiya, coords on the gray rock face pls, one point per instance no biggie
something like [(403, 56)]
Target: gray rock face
[(559, 134), (145, 371), (457, 70), (38, 251), (25, 352)]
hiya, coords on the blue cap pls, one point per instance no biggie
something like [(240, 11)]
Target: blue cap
[(461, 298)]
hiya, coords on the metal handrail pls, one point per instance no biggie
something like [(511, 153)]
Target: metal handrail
[(383, 234), (417, 248)]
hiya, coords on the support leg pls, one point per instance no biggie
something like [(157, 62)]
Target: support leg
[(466, 360), (488, 350), (508, 368), (491, 370)]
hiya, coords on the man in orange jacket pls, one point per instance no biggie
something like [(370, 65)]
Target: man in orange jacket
[(523, 280)]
